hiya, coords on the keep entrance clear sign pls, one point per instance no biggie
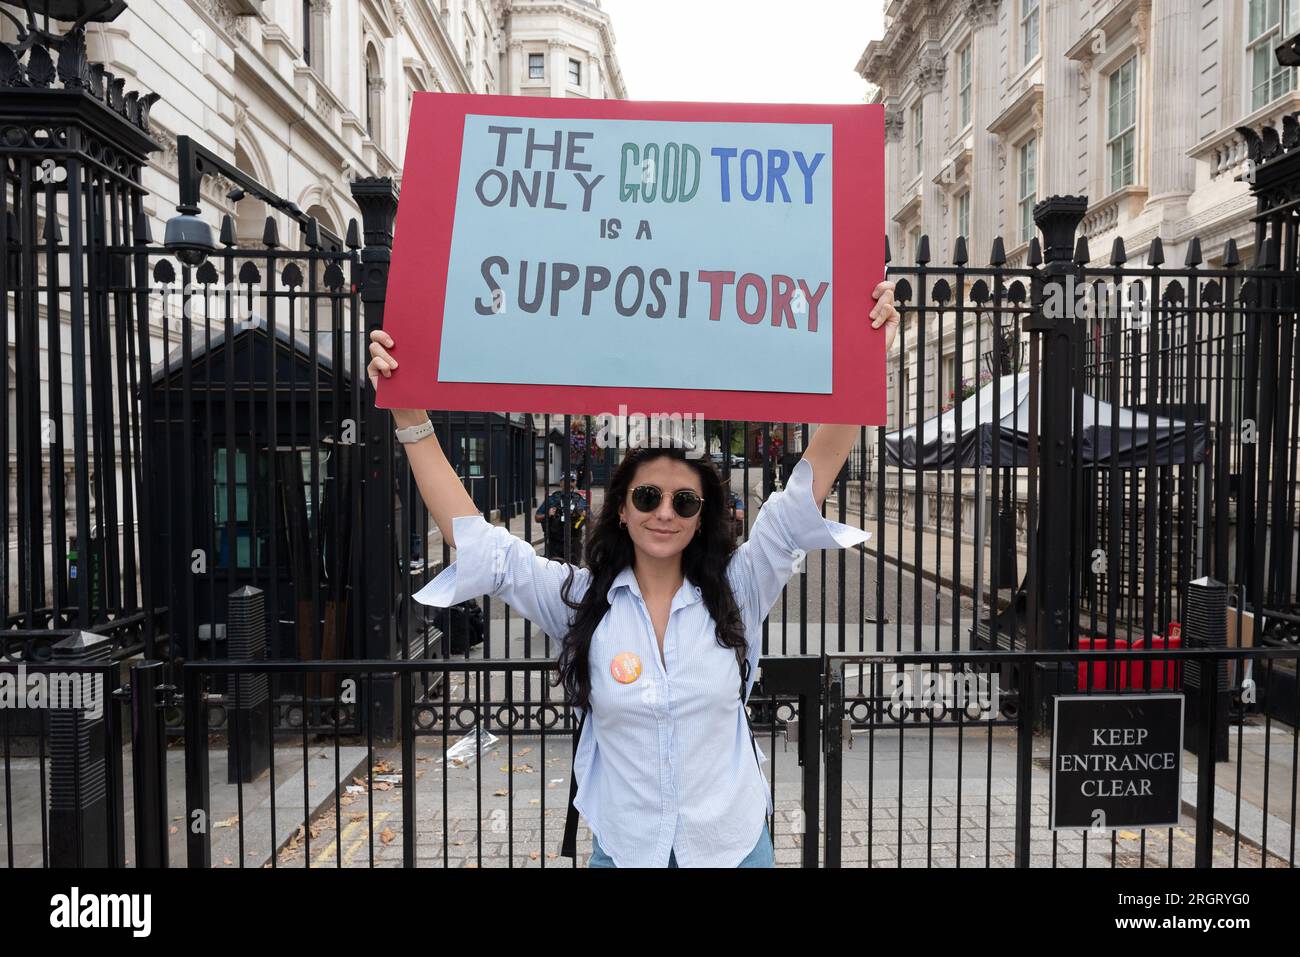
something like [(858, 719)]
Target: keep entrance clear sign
[(1117, 761)]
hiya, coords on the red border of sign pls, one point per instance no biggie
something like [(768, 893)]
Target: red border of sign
[(422, 249)]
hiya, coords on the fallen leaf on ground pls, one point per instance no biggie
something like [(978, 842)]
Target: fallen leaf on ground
[(387, 835)]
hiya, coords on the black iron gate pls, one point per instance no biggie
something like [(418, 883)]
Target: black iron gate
[(212, 449)]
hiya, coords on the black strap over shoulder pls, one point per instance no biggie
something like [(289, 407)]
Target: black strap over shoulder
[(569, 845)]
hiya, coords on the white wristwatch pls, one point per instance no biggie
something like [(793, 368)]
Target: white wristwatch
[(413, 433)]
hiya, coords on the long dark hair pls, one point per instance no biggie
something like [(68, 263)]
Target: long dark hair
[(609, 550)]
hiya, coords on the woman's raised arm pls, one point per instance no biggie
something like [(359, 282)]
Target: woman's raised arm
[(441, 488), (830, 445)]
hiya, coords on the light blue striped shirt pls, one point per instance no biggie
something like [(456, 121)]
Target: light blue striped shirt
[(665, 762)]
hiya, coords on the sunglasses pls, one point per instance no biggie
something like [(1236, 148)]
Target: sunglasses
[(646, 498)]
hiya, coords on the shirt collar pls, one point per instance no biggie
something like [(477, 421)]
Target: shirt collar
[(688, 594)]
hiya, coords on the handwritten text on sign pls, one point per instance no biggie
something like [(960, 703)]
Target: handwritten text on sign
[(575, 256), (680, 232)]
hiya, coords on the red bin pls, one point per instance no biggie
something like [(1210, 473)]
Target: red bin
[(1100, 669), (1165, 675)]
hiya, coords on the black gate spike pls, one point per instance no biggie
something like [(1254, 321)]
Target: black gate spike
[(1118, 256), (998, 255), (353, 240), (11, 71), (115, 93), (923, 251), (1035, 252), (227, 231), (1231, 258), (1156, 257), (96, 85), (146, 104), (1081, 255), (270, 233), (1290, 132), (143, 233), (311, 238), (1253, 143), (1269, 253), (959, 252), (74, 70), (888, 255), (1272, 143), (40, 68), (131, 106), (52, 231), (1193, 252)]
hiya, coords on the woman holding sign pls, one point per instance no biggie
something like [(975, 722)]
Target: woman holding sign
[(659, 633)]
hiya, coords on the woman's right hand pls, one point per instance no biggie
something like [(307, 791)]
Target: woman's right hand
[(381, 363)]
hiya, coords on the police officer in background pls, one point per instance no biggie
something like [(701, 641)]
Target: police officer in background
[(737, 513), (561, 507)]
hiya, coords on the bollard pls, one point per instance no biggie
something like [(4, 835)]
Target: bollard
[(248, 702), (148, 765), (1206, 627), (79, 774)]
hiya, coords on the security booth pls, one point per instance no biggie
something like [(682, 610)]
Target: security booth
[(256, 493), (493, 453)]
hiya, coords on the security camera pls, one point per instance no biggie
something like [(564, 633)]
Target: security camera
[(189, 238)]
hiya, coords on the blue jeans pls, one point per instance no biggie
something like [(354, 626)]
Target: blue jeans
[(760, 856)]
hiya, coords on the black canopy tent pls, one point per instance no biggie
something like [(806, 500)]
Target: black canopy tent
[(1004, 443), (1109, 438)]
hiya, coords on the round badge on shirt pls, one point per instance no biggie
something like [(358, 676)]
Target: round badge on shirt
[(626, 667)]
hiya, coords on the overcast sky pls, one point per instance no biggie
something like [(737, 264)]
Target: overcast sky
[(761, 51)]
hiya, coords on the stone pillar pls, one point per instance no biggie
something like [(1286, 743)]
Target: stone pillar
[(985, 86), (557, 62), (895, 143), (928, 75), (1057, 175), (516, 69), (1169, 92)]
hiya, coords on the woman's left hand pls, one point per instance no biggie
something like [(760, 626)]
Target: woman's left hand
[(884, 313)]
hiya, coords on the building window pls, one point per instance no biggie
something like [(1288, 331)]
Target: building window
[(963, 214), (918, 120), (313, 36), (1028, 193), (575, 73), (1121, 124), (537, 66), (1270, 22), (473, 455), (964, 86), (374, 92), (1028, 31)]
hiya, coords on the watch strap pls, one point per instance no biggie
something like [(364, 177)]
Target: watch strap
[(414, 433)]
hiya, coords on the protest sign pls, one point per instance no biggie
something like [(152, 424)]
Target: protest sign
[(575, 256)]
